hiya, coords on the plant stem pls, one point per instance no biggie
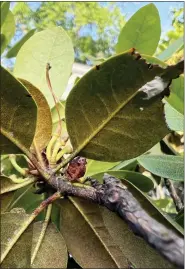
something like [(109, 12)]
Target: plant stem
[(12, 158), (173, 194), (42, 233), (14, 187), (27, 222), (27, 152), (38, 154), (48, 67)]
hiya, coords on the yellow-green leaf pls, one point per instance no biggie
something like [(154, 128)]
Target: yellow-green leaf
[(44, 122), (142, 31), (18, 115), (7, 30), (48, 46)]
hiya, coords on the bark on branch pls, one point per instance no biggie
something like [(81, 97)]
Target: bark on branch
[(116, 197)]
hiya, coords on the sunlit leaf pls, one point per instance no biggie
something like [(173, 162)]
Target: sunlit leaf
[(166, 166), (94, 167), (7, 30), (52, 252), (176, 98), (18, 115), (44, 122), (174, 119), (48, 46), (142, 31), (4, 11), (171, 49), (107, 118), (12, 52)]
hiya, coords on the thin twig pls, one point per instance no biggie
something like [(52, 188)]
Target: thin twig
[(48, 67), (38, 154), (42, 233), (173, 194)]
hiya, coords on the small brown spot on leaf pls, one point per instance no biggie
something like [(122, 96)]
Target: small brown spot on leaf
[(132, 50), (97, 67)]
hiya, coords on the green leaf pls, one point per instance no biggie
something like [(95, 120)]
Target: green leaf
[(171, 49), (7, 30), (53, 251), (44, 122), (142, 31), (12, 52), (48, 46), (94, 167), (8, 186), (176, 98), (134, 248), (4, 11), (140, 181), (180, 218), (20, 255), (126, 165), (166, 166), (18, 115), (174, 119), (86, 236), (107, 118)]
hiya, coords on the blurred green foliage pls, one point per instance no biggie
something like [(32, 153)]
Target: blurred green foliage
[(92, 27)]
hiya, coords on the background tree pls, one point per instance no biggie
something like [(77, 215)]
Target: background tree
[(93, 27)]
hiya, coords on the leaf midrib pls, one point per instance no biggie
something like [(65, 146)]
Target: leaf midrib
[(94, 230), (100, 127)]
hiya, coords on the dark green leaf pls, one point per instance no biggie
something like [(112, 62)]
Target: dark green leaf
[(12, 52), (166, 166), (180, 218), (48, 46), (136, 249), (87, 238), (171, 49), (107, 118), (142, 182), (18, 115), (142, 31)]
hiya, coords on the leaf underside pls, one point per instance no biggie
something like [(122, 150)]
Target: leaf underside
[(107, 118), (18, 114)]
